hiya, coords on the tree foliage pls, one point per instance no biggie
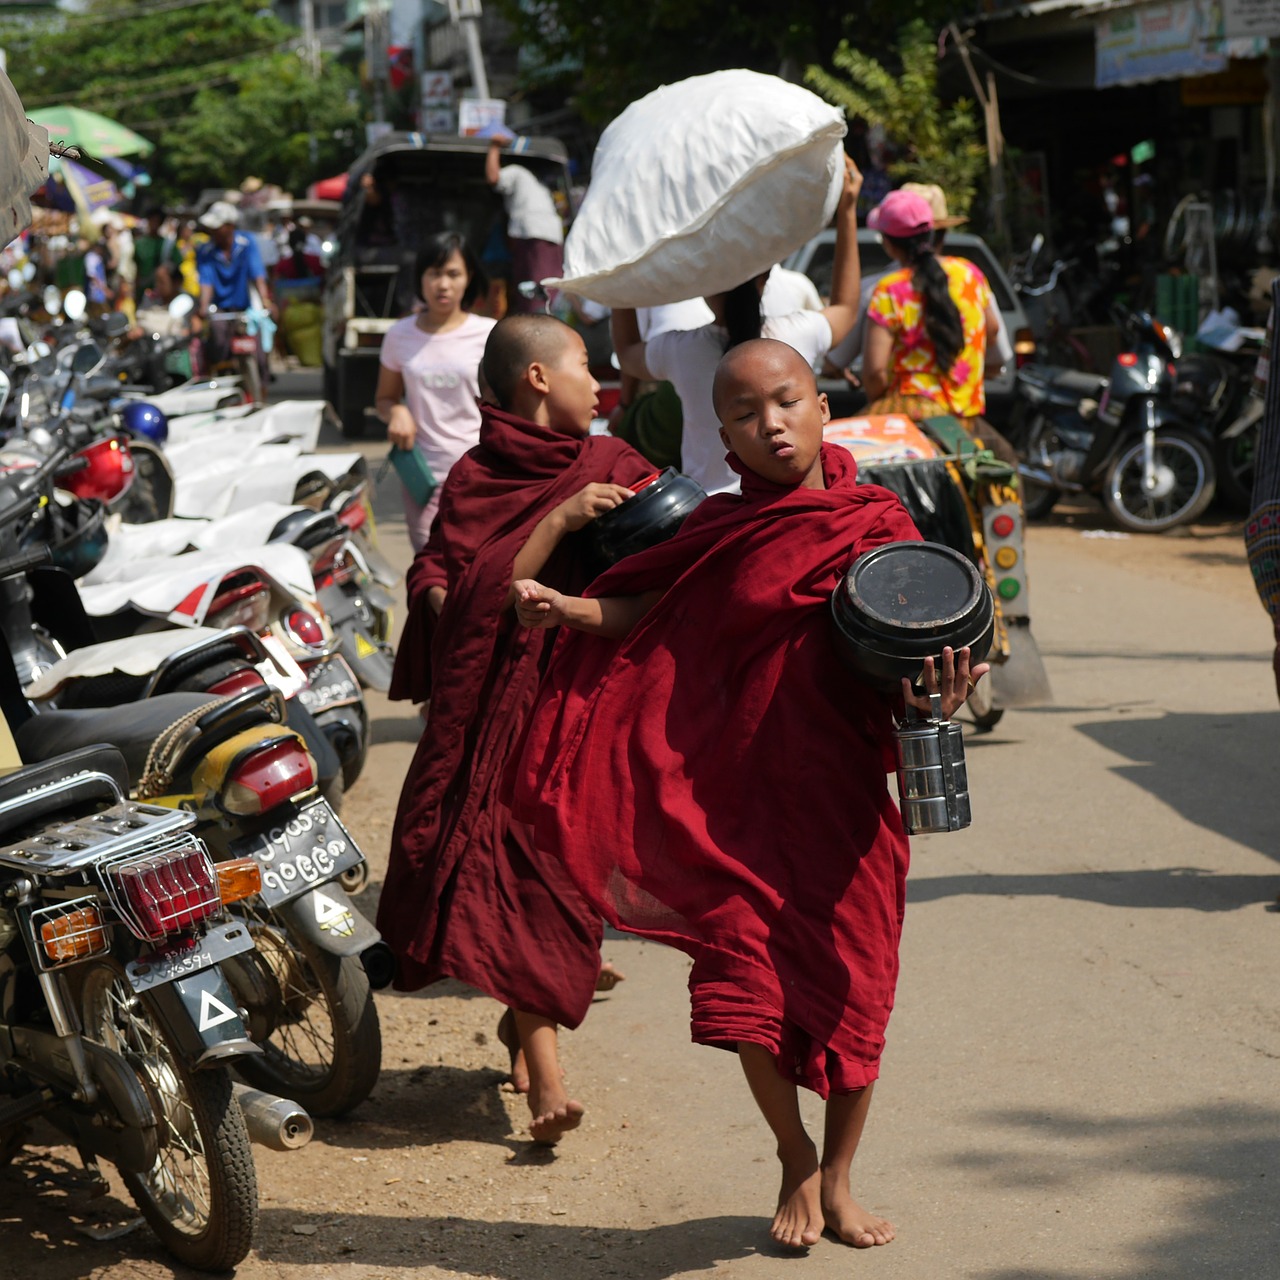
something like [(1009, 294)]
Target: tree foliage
[(216, 84), (607, 55), (939, 143)]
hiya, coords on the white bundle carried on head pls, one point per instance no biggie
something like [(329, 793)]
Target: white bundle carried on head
[(702, 185)]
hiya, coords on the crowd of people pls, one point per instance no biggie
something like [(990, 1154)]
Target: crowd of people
[(689, 761)]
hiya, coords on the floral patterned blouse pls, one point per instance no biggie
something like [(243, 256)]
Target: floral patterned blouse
[(914, 371)]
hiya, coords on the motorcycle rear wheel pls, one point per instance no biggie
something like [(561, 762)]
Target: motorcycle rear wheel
[(201, 1196), (1037, 499), (1185, 469), (325, 1052)]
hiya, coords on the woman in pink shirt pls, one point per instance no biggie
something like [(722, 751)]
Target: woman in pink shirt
[(427, 387)]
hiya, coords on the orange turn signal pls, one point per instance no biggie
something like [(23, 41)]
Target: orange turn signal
[(238, 879), (74, 935)]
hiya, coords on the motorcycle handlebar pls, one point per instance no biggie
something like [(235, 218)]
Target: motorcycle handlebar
[(12, 566)]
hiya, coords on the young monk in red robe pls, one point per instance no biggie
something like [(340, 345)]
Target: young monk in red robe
[(714, 777), (467, 894)]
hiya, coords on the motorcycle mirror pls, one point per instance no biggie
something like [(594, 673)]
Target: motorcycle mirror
[(88, 356), (4, 389), (75, 304), (182, 306), (16, 279), (52, 299), (115, 324)]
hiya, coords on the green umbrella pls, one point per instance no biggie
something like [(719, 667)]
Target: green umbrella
[(94, 134)]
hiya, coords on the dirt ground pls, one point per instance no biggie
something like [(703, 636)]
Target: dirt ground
[(670, 1174)]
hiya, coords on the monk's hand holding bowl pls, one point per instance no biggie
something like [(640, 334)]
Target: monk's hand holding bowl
[(591, 501), (539, 606), (953, 683)]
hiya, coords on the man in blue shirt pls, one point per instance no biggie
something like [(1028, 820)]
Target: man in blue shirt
[(227, 265)]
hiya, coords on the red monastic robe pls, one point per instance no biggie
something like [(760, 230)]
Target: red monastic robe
[(717, 780), (467, 896)]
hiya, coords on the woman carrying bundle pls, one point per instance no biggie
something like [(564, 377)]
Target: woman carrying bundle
[(926, 348)]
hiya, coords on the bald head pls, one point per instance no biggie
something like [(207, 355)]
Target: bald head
[(751, 365), (515, 343)]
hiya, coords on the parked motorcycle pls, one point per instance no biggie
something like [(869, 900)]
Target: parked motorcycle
[(116, 1022), (1120, 438)]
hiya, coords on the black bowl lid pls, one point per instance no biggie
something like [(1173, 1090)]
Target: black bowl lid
[(913, 587)]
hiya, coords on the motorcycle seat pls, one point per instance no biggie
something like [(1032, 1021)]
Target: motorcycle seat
[(1044, 382), (130, 729), (88, 760)]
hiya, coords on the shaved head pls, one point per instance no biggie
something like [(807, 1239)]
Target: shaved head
[(761, 359), (515, 343)]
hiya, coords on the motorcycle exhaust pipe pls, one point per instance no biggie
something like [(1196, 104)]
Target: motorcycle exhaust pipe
[(273, 1122), (1048, 479)]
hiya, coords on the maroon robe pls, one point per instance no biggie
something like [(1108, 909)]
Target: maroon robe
[(466, 894), (716, 780)]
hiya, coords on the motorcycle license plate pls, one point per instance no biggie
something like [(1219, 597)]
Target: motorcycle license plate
[(243, 344), (188, 956), (303, 852), (330, 683)]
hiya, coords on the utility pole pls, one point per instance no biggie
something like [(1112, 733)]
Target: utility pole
[(466, 15), (375, 52), (310, 45), (995, 138)]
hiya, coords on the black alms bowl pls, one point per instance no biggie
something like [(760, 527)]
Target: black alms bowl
[(655, 514), (905, 601)]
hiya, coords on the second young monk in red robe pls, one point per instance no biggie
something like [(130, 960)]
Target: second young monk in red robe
[(467, 894), (714, 777)]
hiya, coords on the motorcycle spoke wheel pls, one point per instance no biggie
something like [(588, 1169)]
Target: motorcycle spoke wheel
[(201, 1195), (1185, 484), (325, 1051)]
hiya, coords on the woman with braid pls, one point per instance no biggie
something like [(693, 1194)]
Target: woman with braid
[(926, 351)]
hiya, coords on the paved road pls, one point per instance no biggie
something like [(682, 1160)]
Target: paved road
[(1081, 1079)]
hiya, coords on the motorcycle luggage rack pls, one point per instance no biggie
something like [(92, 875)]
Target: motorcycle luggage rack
[(166, 888), (67, 846), (74, 930)]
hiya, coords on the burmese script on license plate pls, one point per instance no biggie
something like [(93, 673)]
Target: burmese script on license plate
[(330, 683), (188, 956), (312, 847)]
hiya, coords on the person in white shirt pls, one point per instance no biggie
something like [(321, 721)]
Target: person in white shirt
[(688, 358), (534, 229)]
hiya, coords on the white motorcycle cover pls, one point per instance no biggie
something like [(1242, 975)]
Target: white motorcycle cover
[(180, 589), (297, 421), (701, 185), (222, 472)]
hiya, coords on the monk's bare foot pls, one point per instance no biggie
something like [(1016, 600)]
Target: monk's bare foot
[(554, 1114), (609, 977), (508, 1035), (845, 1217), (798, 1222)]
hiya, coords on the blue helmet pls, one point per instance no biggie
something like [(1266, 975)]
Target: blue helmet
[(143, 419)]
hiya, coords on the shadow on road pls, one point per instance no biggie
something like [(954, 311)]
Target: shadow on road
[(1217, 771), (513, 1250), (1217, 1164), (1168, 888)]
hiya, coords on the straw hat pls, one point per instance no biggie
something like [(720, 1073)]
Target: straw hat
[(935, 197)]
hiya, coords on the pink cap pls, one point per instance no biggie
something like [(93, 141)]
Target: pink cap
[(901, 214)]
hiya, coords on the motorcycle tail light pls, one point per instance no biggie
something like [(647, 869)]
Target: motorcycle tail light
[(238, 879), (243, 600), (1024, 347), (237, 682), (1128, 359), (303, 628), (165, 891), (354, 514), (269, 777), (72, 932), (107, 471)]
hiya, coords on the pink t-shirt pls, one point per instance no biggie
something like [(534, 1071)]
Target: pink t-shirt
[(440, 384)]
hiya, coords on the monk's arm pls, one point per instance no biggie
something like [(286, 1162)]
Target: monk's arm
[(612, 616), (590, 501), (624, 329), (435, 599)]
